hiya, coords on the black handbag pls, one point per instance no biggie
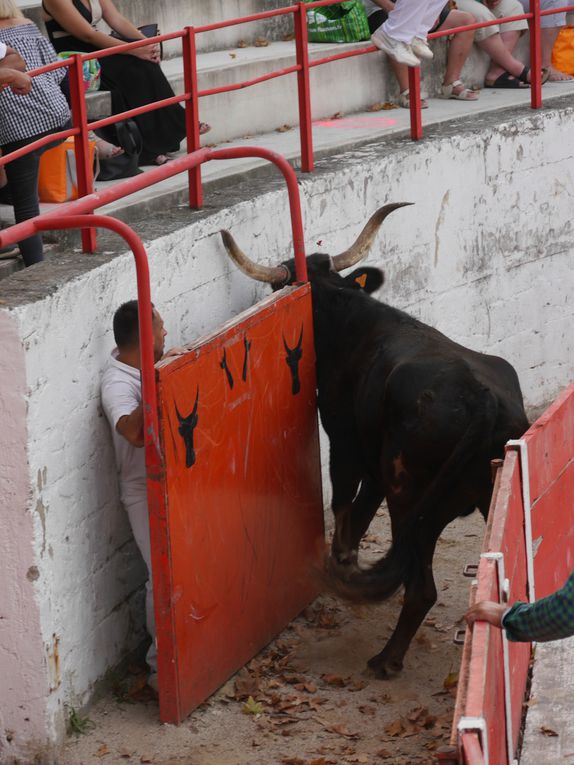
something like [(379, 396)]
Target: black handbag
[(147, 30), (128, 136)]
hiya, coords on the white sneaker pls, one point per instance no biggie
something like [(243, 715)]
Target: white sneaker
[(420, 48), (400, 51)]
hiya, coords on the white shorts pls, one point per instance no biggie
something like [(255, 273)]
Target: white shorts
[(504, 8)]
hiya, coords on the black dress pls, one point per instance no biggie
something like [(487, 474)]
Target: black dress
[(132, 82)]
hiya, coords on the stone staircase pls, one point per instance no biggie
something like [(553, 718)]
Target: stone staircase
[(247, 51)]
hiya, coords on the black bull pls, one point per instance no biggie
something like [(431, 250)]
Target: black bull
[(412, 417)]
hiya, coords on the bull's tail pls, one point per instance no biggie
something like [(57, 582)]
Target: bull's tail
[(395, 568)]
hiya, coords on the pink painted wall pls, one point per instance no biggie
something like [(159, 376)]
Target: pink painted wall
[(23, 677)]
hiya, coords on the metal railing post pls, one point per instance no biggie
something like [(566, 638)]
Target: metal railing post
[(304, 88), (81, 143), (415, 103), (192, 115), (535, 56)]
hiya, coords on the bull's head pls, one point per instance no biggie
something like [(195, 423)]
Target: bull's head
[(186, 428), (284, 274)]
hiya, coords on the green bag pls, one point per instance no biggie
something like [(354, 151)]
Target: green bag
[(345, 22)]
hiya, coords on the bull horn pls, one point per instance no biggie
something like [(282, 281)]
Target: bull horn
[(360, 249), (271, 275)]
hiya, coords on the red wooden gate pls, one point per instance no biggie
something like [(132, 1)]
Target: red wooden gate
[(242, 525)]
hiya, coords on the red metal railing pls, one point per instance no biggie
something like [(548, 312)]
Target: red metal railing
[(532, 499), (79, 214), (190, 98)]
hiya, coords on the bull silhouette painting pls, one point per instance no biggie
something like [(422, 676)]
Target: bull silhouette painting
[(223, 365), (293, 358), (412, 417), (186, 429), (247, 346)]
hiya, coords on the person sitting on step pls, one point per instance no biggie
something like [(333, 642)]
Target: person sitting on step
[(134, 78), (458, 49), (505, 71)]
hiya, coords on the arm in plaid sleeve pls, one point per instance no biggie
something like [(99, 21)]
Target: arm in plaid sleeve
[(550, 618)]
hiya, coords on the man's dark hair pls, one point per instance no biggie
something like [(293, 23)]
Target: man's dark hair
[(126, 326)]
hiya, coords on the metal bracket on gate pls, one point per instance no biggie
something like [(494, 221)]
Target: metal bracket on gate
[(503, 595), (478, 725), (521, 445)]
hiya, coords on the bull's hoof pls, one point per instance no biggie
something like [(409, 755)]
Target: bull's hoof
[(383, 668)]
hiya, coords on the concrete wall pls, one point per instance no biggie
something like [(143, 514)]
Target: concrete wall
[(486, 256)]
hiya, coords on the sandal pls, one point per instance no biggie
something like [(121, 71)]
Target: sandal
[(506, 80), (405, 101), (466, 94), (523, 76), (160, 160)]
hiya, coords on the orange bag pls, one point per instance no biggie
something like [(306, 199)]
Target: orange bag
[(57, 179), (563, 51)]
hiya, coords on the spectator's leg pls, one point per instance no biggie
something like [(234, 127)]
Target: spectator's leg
[(22, 176), (551, 26), (458, 49), (501, 58)]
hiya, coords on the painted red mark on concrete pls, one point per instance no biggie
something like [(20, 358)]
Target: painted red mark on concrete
[(357, 122)]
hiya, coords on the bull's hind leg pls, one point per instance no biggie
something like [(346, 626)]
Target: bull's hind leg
[(420, 596)]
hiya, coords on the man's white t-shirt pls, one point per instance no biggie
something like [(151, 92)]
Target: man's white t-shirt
[(121, 394), (3, 50)]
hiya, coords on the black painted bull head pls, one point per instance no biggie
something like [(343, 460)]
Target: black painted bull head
[(186, 428), (293, 358)]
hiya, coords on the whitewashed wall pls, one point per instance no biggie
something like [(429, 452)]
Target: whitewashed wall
[(485, 255)]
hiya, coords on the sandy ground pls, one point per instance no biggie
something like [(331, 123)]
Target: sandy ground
[(308, 698)]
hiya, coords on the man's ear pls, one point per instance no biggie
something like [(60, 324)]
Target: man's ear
[(366, 278)]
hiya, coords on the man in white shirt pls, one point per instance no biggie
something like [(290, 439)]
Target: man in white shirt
[(122, 403)]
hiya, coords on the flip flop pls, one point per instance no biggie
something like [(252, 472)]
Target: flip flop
[(506, 80)]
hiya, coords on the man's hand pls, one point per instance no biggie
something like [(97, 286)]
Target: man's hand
[(486, 611), (176, 351)]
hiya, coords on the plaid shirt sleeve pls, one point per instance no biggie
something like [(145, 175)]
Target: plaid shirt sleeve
[(550, 618)]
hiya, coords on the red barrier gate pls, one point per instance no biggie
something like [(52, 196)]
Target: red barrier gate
[(528, 552), (243, 523)]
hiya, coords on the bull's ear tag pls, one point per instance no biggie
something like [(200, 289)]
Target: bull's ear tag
[(361, 280)]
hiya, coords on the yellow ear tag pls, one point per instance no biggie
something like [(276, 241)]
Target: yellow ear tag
[(361, 281)]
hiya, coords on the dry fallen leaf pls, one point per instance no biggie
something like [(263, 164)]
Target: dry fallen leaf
[(246, 685), (242, 44), (450, 681), (335, 680), (395, 728), (125, 753), (102, 751), (233, 55), (384, 754), (261, 42), (283, 129), (146, 758), (547, 731), (252, 707)]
